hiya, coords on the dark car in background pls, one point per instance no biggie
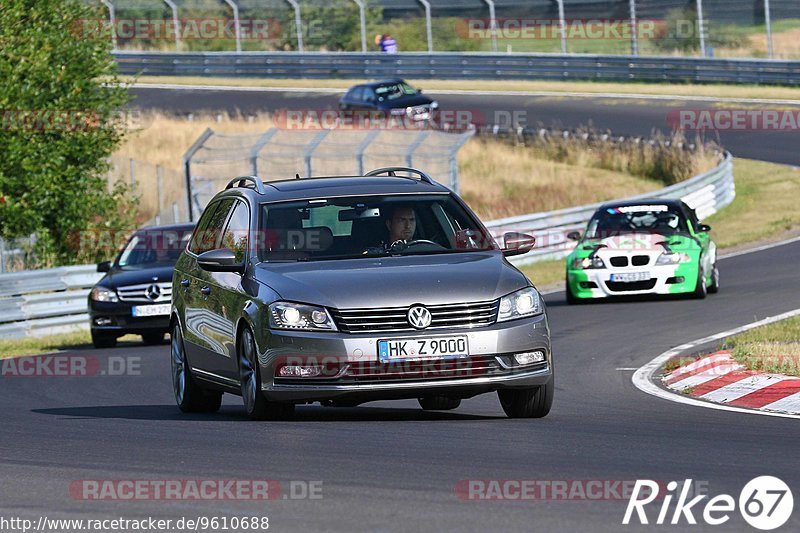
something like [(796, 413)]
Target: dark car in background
[(135, 295), (392, 97)]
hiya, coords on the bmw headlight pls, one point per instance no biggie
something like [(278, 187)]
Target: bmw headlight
[(672, 259), (102, 294), (587, 263), (520, 304), (287, 315)]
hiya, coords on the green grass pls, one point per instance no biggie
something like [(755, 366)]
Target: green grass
[(545, 273), (51, 343), (713, 91), (773, 348)]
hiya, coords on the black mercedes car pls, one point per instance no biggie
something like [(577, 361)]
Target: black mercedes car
[(392, 97), (135, 295)]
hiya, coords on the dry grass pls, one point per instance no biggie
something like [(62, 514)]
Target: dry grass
[(772, 348), (785, 44)]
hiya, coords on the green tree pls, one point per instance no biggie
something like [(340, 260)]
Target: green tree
[(61, 118)]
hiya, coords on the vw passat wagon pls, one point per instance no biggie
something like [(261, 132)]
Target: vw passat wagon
[(343, 290)]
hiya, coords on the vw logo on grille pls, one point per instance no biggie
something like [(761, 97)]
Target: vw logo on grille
[(153, 292), (419, 317)]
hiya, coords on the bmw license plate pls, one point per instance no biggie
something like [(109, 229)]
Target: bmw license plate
[(429, 348), (150, 310), (630, 277)]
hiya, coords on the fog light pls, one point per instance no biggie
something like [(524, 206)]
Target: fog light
[(527, 358), (102, 321), (297, 371)]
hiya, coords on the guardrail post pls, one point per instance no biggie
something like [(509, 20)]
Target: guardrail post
[(768, 19), (701, 28), (562, 26), (634, 30), (237, 25), (176, 22), (187, 167), (428, 30), (2, 255), (363, 21), (112, 19), (298, 23)]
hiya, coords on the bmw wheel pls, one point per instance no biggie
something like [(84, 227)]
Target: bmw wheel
[(714, 287)]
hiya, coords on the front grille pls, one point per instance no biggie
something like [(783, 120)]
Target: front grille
[(640, 260), (469, 367), (618, 286), (389, 319), (139, 293), (619, 261)]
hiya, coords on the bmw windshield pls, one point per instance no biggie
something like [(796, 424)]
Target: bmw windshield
[(661, 219), (368, 226)]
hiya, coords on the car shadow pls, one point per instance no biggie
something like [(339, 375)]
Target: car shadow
[(236, 414)]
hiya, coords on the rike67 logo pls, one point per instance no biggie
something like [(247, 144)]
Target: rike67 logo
[(765, 503)]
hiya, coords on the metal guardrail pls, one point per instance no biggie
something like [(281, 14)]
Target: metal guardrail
[(460, 65), (706, 194), (41, 302)]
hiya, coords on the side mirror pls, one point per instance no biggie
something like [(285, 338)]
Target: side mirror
[(574, 235), (517, 243), (105, 266), (703, 228), (222, 260)]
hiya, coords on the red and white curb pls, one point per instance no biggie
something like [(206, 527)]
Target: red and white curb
[(647, 378), (720, 378)]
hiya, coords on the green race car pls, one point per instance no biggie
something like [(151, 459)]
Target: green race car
[(642, 247)]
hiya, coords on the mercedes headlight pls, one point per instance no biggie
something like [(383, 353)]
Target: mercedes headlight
[(102, 294), (587, 263), (520, 304), (287, 315), (434, 105), (672, 259)]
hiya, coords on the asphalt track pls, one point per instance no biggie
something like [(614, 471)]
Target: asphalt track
[(389, 466), (635, 116)]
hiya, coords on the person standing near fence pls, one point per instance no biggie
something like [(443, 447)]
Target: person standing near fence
[(386, 43)]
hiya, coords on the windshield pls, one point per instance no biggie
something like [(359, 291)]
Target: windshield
[(370, 226), (661, 219), (394, 91), (156, 247)]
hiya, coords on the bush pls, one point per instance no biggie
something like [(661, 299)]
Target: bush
[(59, 125), (680, 32)]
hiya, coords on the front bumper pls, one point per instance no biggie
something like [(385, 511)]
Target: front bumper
[(117, 318), (360, 377), (666, 279)]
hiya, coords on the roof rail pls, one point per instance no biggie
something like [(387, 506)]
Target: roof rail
[(241, 181), (392, 171)]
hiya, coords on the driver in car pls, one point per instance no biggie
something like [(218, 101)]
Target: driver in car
[(402, 223)]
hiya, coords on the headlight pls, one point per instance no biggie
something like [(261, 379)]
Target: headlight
[(520, 304), (434, 105), (672, 259), (101, 294), (398, 111), (587, 262), (287, 315)]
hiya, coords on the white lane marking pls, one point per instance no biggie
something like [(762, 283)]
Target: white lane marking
[(571, 94), (643, 378), (705, 376), (743, 387), (789, 403), (760, 248)]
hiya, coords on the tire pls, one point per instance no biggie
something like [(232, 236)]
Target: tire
[(700, 289), (714, 287), (152, 339), (190, 397), (527, 403), (255, 404), (439, 403), (103, 340)]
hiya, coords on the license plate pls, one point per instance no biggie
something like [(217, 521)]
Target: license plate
[(150, 310), (630, 277), (428, 348)]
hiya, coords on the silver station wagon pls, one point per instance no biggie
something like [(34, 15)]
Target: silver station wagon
[(343, 290)]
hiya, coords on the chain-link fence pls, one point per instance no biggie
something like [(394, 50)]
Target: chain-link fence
[(281, 153), (161, 192), (719, 28)]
